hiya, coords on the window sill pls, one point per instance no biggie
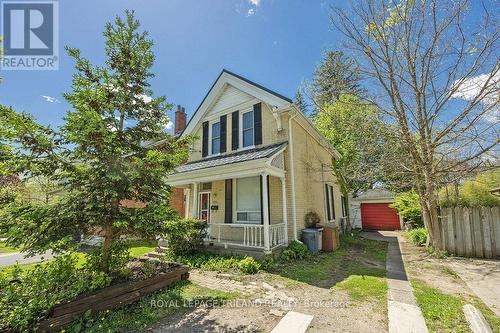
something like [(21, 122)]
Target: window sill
[(249, 222), (246, 148)]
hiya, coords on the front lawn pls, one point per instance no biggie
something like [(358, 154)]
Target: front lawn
[(444, 313), (140, 248), (136, 249), (357, 267), (7, 249)]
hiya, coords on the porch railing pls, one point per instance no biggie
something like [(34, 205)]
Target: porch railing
[(246, 235)]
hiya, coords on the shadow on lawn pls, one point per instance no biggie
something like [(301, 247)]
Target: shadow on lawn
[(355, 257), (197, 320)]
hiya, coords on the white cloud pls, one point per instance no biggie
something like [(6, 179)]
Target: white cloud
[(471, 89), (50, 99), (146, 99), (248, 7), (169, 125)]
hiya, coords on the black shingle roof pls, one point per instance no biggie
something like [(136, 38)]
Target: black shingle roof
[(241, 156)]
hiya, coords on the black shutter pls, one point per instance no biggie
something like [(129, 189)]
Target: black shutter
[(344, 205), (333, 202), (223, 135), (235, 131), (204, 144), (257, 123), (327, 200), (228, 198)]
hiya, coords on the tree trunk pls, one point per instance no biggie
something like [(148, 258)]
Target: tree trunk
[(431, 222), (106, 248), (344, 189)]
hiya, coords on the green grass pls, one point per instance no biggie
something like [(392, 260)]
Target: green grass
[(150, 309), (136, 249), (443, 312), (364, 287), (7, 249), (345, 261), (140, 248)]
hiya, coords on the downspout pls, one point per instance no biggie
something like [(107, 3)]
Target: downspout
[(292, 171)]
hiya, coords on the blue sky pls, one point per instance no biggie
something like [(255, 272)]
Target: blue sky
[(276, 43)]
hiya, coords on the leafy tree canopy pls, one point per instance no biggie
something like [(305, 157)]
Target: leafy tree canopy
[(473, 192), (368, 145), (99, 157), (336, 75)]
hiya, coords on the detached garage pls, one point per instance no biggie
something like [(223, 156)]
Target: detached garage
[(371, 211)]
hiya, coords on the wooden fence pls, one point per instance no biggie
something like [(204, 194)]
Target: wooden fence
[(471, 232)]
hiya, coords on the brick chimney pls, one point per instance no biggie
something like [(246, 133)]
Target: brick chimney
[(180, 120)]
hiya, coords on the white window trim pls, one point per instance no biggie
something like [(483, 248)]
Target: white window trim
[(210, 123), (235, 204), (240, 148), (209, 208)]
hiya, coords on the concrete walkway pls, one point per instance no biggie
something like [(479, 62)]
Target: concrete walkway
[(9, 259), (482, 277), (403, 311)]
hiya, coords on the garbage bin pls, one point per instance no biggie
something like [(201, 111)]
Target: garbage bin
[(311, 237)]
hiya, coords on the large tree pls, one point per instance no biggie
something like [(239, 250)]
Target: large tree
[(98, 156), (421, 56), (337, 74), (368, 146)]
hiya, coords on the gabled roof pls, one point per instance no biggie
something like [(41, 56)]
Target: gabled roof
[(375, 194), (228, 78), (237, 157)]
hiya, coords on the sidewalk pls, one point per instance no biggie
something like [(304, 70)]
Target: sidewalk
[(403, 311), (9, 259)]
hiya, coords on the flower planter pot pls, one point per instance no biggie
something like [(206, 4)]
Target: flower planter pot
[(110, 297)]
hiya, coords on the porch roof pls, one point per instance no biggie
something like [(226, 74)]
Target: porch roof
[(237, 157), (238, 164)]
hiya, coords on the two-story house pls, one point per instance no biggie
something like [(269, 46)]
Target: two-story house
[(258, 166)]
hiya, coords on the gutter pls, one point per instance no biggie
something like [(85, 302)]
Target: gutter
[(292, 174)]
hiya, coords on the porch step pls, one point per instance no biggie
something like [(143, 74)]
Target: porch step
[(161, 249), (155, 255), (219, 248)]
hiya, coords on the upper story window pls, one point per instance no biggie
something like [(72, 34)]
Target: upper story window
[(248, 131), (216, 138)]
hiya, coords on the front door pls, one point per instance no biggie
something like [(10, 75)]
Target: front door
[(204, 212)]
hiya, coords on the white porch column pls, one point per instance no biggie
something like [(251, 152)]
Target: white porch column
[(285, 210), (265, 212), (194, 207), (187, 202)]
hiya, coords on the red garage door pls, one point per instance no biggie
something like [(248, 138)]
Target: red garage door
[(379, 216)]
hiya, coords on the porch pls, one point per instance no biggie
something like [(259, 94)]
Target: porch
[(238, 235), (244, 204)]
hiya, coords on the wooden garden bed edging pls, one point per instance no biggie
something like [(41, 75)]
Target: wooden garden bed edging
[(110, 297)]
